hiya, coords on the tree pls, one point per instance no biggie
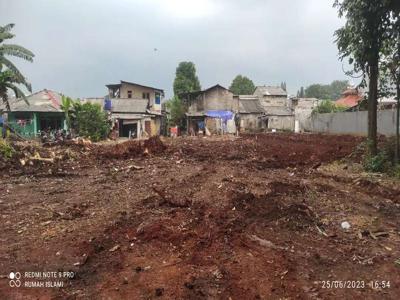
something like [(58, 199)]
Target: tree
[(300, 93), (10, 76), (318, 91), (328, 106), (177, 111), (90, 121), (362, 40), (283, 86), (186, 80), (390, 73), (242, 85), (67, 105), (337, 87), (331, 91)]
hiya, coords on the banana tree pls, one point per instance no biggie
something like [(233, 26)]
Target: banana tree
[(10, 77)]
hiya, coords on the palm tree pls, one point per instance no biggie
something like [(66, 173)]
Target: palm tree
[(10, 77)]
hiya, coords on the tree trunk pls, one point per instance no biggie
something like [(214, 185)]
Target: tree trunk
[(372, 108), (397, 124)]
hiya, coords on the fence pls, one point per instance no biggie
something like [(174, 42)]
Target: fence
[(352, 123)]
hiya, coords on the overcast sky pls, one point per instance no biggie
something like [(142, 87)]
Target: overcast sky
[(81, 45)]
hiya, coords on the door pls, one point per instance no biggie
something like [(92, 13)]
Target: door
[(147, 127)]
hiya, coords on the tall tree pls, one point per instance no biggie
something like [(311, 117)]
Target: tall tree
[(301, 93), (318, 91), (176, 110), (283, 86), (362, 40), (242, 85), (331, 91), (390, 73), (337, 87), (10, 77), (186, 79)]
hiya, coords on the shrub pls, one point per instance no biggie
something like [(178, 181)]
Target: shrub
[(378, 163), (91, 121), (6, 150), (328, 106), (395, 172)]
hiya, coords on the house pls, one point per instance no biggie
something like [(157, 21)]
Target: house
[(42, 113), (271, 96), (303, 108), (130, 90), (134, 108), (252, 114), (351, 99), (354, 100), (211, 109), (278, 114)]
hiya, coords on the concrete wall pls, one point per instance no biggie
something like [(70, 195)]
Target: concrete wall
[(214, 99), (281, 122), (137, 93), (267, 101), (250, 122), (353, 122), (304, 118)]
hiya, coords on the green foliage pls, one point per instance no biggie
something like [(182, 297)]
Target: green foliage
[(363, 36), (10, 77), (363, 40), (186, 79), (242, 85), (331, 91), (67, 105), (396, 171), (177, 111), (328, 106), (6, 150), (90, 121), (384, 161), (378, 163)]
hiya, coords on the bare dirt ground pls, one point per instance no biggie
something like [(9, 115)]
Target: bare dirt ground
[(255, 217)]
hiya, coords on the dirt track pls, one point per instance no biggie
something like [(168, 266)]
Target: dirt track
[(257, 217)]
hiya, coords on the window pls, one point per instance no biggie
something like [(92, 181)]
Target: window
[(129, 94), (146, 96), (158, 98)]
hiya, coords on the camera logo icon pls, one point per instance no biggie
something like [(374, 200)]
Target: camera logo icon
[(15, 279)]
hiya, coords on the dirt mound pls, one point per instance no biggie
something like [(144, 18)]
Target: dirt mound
[(130, 149), (284, 188), (273, 151), (268, 208)]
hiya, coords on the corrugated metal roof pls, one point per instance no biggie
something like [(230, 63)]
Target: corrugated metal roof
[(112, 85), (42, 101), (270, 91), (203, 91), (349, 100), (250, 105)]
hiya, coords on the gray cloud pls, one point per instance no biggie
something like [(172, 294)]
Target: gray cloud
[(82, 45)]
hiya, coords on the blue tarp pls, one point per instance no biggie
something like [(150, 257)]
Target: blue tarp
[(225, 115), (107, 104)]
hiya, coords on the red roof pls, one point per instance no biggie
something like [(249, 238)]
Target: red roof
[(350, 98)]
